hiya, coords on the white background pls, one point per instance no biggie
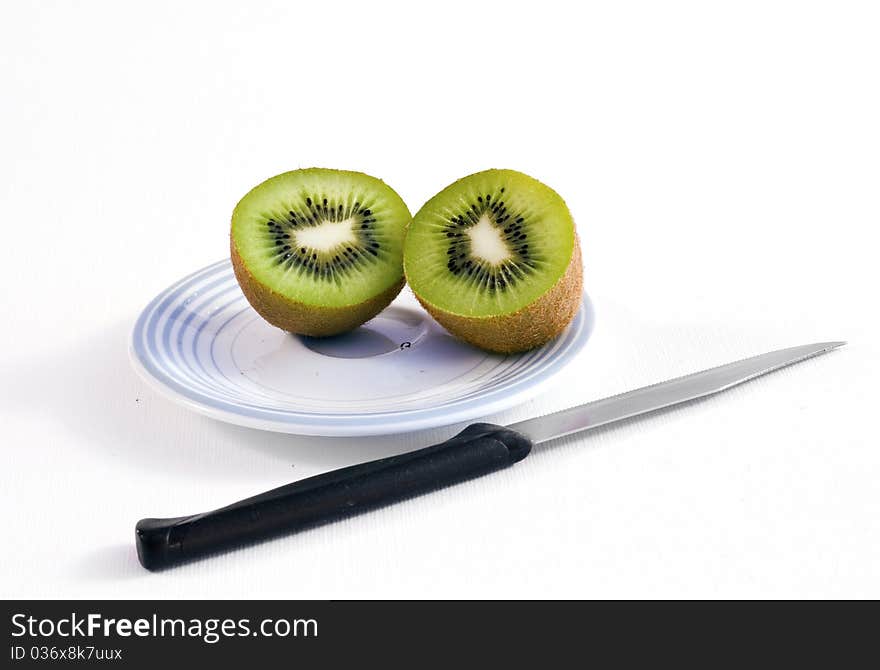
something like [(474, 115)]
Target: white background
[(722, 161)]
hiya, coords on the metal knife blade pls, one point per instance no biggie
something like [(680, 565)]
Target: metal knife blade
[(665, 394)]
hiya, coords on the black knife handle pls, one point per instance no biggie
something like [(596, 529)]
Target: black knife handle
[(478, 449)]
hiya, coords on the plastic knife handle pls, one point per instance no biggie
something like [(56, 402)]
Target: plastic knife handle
[(479, 449)]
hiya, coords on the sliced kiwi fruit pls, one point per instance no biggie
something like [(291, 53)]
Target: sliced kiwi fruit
[(495, 259), (317, 251)]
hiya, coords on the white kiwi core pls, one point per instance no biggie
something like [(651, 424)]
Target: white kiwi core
[(327, 235), (487, 243)]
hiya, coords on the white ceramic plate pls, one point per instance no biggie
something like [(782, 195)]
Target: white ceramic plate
[(201, 344)]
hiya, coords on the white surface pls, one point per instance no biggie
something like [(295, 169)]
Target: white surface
[(722, 164)]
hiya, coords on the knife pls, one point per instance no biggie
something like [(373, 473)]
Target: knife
[(479, 449)]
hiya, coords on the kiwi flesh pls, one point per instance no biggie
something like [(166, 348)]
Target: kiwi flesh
[(317, 251), (495, 259)]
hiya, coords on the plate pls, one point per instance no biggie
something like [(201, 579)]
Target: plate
[(201, 344)]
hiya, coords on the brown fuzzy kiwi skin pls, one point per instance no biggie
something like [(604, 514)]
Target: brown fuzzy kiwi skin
[(530, 327), (302, 319)]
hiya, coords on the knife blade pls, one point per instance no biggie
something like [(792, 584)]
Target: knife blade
[(665, 394), (479, 449)]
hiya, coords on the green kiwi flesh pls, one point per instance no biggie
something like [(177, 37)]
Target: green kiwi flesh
[(318, 251), (494, 257)]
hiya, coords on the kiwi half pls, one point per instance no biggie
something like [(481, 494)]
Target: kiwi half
[(317, 251), (495, 259)]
